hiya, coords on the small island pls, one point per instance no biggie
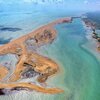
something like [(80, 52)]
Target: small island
[(30, 63)]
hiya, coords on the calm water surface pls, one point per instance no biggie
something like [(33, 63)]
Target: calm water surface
[(80, 69)]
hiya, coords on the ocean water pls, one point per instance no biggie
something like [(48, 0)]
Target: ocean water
[(79, 68)]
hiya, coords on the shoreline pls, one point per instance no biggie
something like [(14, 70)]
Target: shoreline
[(29, 59), (94, 35)]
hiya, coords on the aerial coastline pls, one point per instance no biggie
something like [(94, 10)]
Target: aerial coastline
[(29, 60), (91, 22)]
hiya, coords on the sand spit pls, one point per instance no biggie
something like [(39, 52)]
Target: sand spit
[(30, 59)]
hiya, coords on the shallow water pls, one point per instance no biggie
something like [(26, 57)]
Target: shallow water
[(9, 61), (79, 68)]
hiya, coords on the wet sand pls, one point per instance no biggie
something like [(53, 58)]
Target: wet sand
[(3, 72)]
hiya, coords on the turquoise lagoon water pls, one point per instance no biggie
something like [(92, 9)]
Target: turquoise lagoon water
[(79, 69)]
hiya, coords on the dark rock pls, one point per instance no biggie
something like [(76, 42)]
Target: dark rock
[(2, 92)]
